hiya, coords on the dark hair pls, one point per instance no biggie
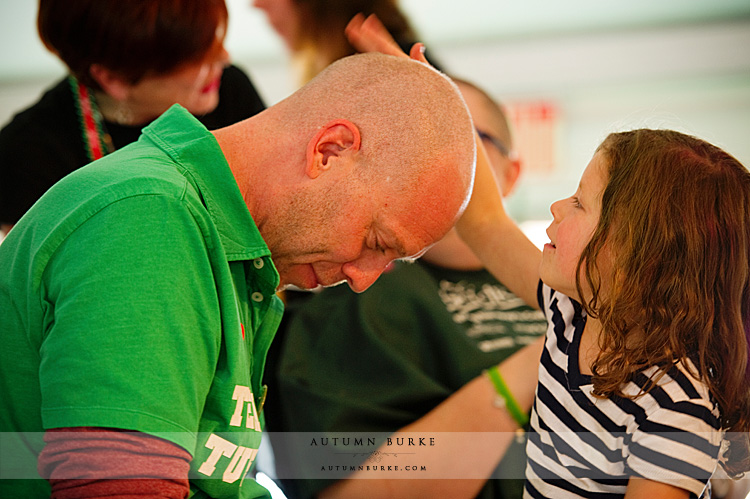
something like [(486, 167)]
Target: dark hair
[(129, 37), (675, 219)]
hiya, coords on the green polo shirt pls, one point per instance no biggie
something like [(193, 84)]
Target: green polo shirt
[(139, 294)]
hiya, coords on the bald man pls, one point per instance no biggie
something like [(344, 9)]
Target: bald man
[(138, 294), (421, 333)]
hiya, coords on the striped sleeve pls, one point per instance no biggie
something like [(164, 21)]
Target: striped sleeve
[(678, 443)]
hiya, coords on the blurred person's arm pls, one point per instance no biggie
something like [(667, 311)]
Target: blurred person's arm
[(470, 409), (641, 488), (723, 487)]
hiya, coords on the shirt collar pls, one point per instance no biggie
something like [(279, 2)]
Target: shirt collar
[(199, 157)]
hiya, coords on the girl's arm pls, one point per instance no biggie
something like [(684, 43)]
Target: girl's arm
[(495, 238), (642, 488)]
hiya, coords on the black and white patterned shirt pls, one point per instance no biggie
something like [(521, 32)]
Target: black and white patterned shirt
[(583, 446)]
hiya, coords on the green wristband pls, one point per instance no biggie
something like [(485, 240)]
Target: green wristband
[(505, 398)]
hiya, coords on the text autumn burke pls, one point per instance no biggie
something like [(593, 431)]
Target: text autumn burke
[(371, 442)]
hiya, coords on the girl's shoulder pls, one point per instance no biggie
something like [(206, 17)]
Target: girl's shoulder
[(674, 393), (680, 381)]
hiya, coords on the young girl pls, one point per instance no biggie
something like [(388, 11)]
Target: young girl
[(646, 290), (644, 382)]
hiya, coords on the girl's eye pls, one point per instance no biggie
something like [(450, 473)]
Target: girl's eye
[(577, 202)]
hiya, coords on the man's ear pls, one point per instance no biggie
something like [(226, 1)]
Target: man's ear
[(333, 140), (109, 81)]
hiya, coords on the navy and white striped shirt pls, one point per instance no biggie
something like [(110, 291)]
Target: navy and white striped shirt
[(583, 446)]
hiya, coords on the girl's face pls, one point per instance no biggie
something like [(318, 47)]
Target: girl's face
[(574, 222)]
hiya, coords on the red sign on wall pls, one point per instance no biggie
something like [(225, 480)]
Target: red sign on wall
[(534, 132)]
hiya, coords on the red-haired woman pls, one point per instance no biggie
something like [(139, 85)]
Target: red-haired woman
[(128, 62)]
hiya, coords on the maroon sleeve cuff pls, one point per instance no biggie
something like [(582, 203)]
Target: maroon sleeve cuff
[(86, 462)]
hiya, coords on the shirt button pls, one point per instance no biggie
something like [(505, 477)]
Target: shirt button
[(258, 263), (258, 297)]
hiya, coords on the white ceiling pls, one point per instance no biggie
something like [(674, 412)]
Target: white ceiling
[(441, 23)]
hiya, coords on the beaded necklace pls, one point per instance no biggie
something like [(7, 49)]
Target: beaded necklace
[(95, 136)]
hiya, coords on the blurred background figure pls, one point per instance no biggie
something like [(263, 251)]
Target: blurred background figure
[(313, 30), (380, 360), (128, 62)]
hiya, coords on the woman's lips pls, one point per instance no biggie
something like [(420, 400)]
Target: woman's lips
[(213, 86)]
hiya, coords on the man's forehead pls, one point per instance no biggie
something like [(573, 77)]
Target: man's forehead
[(413, 218)]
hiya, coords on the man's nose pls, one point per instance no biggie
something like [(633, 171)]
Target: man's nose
[(364, 271)]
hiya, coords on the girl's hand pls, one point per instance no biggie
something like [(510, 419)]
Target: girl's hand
[(369, 35), (485, 226)]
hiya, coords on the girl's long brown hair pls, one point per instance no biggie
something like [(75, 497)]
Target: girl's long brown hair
[(675, 220)]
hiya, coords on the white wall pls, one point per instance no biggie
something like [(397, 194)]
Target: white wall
[(693, 78), (606, 64)]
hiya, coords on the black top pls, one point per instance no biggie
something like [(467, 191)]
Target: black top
[(44, 143)]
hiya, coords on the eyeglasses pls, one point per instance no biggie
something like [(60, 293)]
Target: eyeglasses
[(502, 148)]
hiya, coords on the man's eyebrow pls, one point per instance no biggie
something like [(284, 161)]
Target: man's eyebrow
[(387, 238), (402, 251)]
